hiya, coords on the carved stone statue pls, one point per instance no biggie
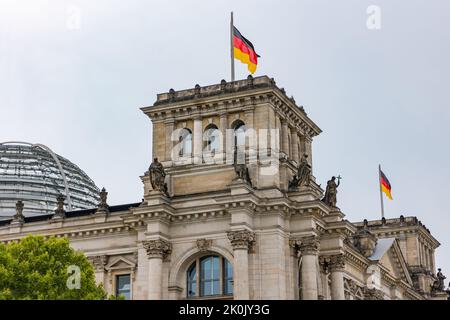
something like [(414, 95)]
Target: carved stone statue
[(331, 192), (241, 169), (103, 205), (438, 284), (303, 176), (19, 217), (157, 176), (59, 211)]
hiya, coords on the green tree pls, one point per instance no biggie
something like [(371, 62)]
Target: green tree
[(35, 268)]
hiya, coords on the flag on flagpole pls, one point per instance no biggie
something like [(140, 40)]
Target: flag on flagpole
[(385, 185), (244, 50)]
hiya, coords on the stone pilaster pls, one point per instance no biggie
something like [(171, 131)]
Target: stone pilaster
[(169, 128), (285, 137), (241, 241), (157, 250), (309, 249), (294, 146)]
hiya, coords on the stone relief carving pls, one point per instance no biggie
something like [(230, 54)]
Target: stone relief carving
[(99, 262), (204, 244), (332, 263)]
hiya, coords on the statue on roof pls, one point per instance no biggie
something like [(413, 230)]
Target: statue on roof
[(157, 176), (330, 197), (303, 176), (438, 284)]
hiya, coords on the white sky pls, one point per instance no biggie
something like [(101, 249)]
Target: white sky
[(380, 96)]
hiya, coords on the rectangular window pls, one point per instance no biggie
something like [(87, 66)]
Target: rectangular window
[(123, 286)]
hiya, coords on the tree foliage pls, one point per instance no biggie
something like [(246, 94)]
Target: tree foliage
[(35, 268)]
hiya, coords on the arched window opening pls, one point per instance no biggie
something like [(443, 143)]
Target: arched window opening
[(211, 137), (239, 133), (185, 139), (210, 276)]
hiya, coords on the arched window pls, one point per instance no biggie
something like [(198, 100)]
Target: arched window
[(239, 133), (211, 136), (210, 276), (185, 139)]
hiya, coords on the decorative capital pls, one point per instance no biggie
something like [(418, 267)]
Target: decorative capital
[(332, 263), (242, 239), (309, 246), (373, 294), (157, 248), (99, 262), (204, 244)]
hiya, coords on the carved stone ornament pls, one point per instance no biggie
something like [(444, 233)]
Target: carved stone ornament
[(204, 244), (103, 205), (99, 262), (330, 197), (373, 294), (19, 217), (332, 263), (309, 246), (242, 239), (157, 248), (59, 211), (303, 176), (157, 176)]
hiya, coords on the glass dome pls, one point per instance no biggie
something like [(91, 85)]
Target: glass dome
[(36, 175)]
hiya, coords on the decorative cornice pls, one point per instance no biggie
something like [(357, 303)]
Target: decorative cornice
[(241, 239), (157, 248)]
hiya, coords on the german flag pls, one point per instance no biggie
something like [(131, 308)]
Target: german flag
[(244, 51), (385, 185)]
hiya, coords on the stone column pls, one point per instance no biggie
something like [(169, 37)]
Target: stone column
[(336, 267), (170, 127), (223, 131), (309, 249), (294, 146), (284, 137), (198, 140), (241, 241), (251, 133), (157, 250)]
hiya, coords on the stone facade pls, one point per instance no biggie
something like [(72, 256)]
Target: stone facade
[(281, 244)]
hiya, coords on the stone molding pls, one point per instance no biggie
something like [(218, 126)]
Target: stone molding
[(242, 239), (157, 248)]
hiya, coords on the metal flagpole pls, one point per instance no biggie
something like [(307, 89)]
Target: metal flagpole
[(232, 46), (381, 192)]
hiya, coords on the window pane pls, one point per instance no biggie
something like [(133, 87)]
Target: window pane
[(205, 268), (192, 281), (123, 286), (216, 268)]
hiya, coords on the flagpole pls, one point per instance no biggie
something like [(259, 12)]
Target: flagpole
[(232, 46), (381, 192)]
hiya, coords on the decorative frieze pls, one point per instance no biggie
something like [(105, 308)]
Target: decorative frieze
[(242, 239), (157, 248), (204, 244)]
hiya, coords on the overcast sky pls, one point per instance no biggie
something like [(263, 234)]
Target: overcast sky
[(73, 75)]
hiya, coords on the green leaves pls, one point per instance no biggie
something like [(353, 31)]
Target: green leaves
[(35, 268)]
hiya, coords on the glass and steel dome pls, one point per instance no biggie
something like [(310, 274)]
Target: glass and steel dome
[(36, 175)]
